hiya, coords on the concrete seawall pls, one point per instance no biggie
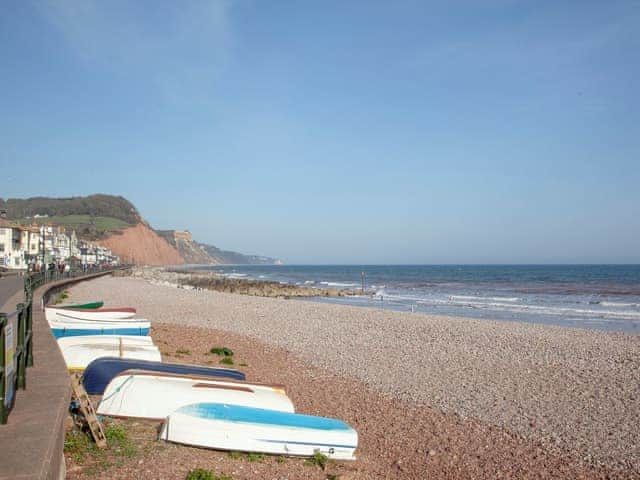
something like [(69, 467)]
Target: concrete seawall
[(31, 443)]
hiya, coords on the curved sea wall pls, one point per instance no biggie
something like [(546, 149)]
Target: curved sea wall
[(32, 442)]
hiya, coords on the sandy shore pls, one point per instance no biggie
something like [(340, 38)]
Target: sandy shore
[(430, 396)]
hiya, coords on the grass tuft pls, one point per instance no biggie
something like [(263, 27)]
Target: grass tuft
[(255, 457), (199, 474), (235, 455), (222, 351), (119, 441), (203, 474), (84, 452), (62, 297), (227, 361), (318, 459), (183, 351)]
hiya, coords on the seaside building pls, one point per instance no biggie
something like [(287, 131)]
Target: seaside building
[(11, 245), (23, 247)]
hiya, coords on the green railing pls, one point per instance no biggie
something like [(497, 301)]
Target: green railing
[(16, 335), (16, 353)]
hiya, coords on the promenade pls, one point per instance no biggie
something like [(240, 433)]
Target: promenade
[(31, 443), (10, 285)]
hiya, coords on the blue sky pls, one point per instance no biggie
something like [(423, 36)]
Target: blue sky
[(496, 131)]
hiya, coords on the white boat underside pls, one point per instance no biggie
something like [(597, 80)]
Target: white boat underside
[(248, 437), (155, 397)]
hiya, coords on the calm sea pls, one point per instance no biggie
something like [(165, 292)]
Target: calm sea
[(604, 297)]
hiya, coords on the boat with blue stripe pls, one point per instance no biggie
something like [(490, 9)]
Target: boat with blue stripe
[(233, 427), (137, 328), (99, 373)]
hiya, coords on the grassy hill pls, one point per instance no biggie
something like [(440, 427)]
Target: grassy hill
[(86, 226), (98, 205), (92, 217)]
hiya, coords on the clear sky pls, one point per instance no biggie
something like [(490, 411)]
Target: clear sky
[(496, 131)]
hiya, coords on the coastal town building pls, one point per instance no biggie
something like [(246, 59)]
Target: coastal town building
[(30, 246)]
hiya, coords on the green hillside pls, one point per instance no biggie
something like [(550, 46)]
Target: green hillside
[(92, 217), (98, 205), (101, 224)]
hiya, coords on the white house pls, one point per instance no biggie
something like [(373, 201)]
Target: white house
[(11, 245)]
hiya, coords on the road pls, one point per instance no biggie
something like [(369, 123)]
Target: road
[(9, 286)]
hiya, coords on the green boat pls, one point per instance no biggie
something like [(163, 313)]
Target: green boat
[(83, 306)]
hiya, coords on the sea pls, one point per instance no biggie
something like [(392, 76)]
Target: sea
[(601, 297)]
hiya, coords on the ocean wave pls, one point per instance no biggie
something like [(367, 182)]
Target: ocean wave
[(552, 310), (234, 275), (526, 308), (339, 284), (620, 304), (496, 299), (397, 298)]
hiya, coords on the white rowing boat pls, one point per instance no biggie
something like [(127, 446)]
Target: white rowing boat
[(53, 314), (137, 327), (154, 395), (78, 356), (233, 427), (102, 339)]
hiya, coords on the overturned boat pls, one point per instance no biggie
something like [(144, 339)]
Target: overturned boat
[(82, 306), (154, 395), (101, 371), (245, 429), (72, 329), (61, 314), (77, 355), (101, 339)]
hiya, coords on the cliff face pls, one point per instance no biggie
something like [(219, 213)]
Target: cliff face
[(190, 251), (142, 246), (196, 253)]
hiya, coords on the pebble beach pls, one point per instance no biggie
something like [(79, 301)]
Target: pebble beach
[(431, 396)]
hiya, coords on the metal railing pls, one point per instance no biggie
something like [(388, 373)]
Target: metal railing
[(16, 335), (16, 353)]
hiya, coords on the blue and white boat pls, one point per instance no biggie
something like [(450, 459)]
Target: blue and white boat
[(154, 395), (101, 371), (232, 427), (136, 327)]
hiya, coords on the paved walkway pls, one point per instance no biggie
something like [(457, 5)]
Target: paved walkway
[(9, 286), (31, 442)]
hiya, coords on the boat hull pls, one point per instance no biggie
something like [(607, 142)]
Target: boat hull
[(232, 427), (65, 342), (61, 329), (154, 395), (78, 356), (100, 372), (83, 306), (58, 314)]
